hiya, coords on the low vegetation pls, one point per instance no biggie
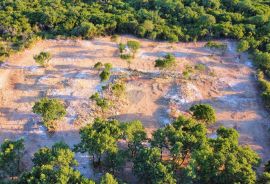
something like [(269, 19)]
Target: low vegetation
[(118, 88), (100, 102), (43, 58), (216, 45), (128, 51), (98, 66), (106, 73), (167, 62)]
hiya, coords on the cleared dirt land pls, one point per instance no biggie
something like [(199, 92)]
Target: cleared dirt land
[(227, 83)]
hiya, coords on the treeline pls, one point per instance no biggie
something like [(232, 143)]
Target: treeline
[(181, 20), (180, 152), (23, 21)]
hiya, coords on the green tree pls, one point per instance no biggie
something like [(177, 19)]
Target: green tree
[(150, 169), (10, 158), (183, 137), (50, 111), (134, 133), (86, 30), (99, 138), (222, 159), (54, 165), (108, 179), (243, 46), (204, 112)]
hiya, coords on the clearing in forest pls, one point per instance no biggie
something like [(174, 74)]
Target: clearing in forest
[(224, 80)]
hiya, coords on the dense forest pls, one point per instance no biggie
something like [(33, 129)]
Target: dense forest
[(191, 157)]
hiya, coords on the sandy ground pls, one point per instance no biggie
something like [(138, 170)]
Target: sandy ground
[(228, 83)]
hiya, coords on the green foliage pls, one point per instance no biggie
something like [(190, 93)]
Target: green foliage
[(167, 62), (108, 179), (243, 46), (200, 67), (54, 165), (101, 102), (99, 138), (121, 47), (204, 112), (98, 65), (43, 58), (223, 159), (50, 111), (265, 87), (216, 45), (150, 169), (119, 88), (106, 73), (86, 30), (10, 158), (125, 56), (135, 135), (133, 46), (108, 66)]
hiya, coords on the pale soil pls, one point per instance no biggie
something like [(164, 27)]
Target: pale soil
[(228, 84)]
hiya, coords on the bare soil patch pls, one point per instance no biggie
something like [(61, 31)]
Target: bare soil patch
[(153, 96)]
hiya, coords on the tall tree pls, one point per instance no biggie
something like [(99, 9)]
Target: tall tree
[(99, 138), (10, 158), (54, 165)]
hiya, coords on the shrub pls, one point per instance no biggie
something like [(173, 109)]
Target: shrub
[(50, 111), (118, 88), (215, 45), (108, 66), (125, 56), (43, 58), (98, 65), (105, 75), (204, 112), (101, 102), (167, 62), (114, 38), (200, 67), (133, 46), (121, 47)]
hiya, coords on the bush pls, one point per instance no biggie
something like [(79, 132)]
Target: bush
[(108, 66), (43, 58), (114, 38), (204, 112), (201, 67), (167, 62), (118, 88), (98, 65), (50, 111), (215, 45), (101, 102), (133, 46), (105, 75), (121, 47), (125, 56)]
